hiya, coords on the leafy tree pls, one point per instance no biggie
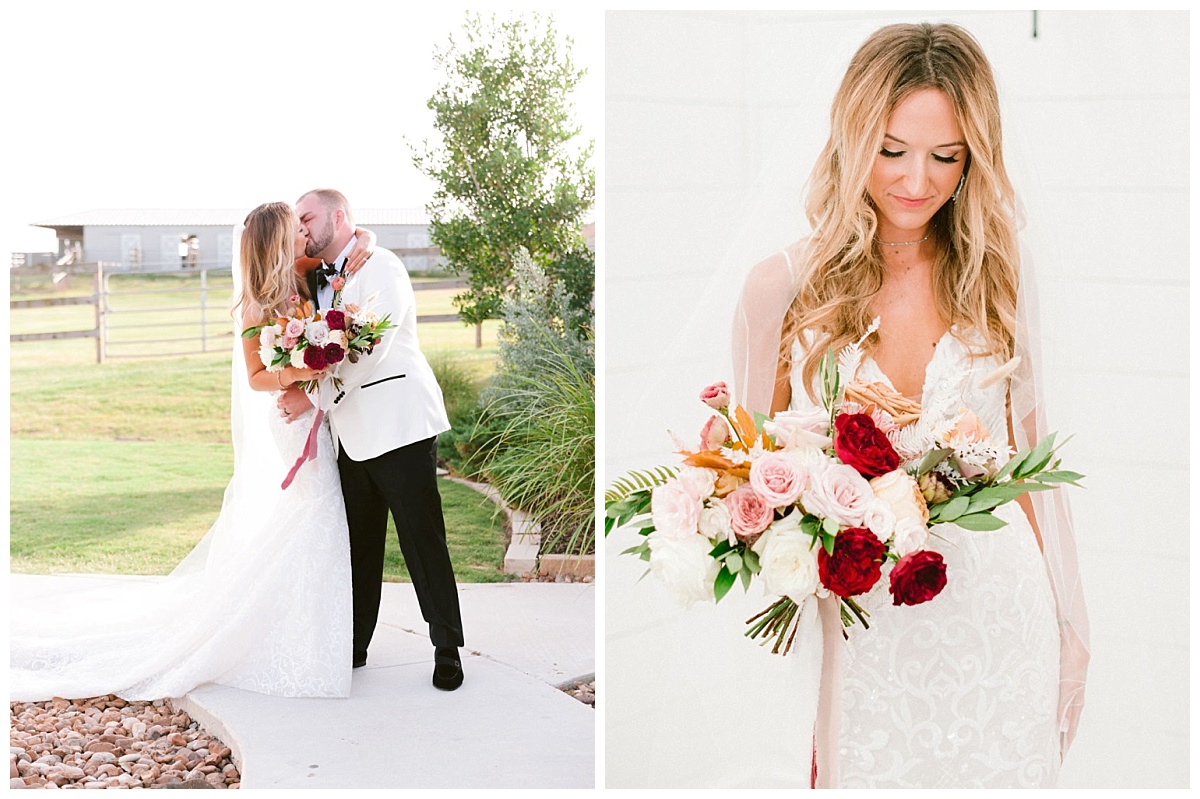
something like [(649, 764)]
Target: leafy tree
[(509, 177)]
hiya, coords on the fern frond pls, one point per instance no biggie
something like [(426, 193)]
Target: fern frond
[(850, 358), (637, 480)]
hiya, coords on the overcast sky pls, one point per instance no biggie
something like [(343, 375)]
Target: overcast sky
[(220, 104)]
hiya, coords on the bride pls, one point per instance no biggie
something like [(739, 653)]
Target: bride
[(263, 602), (914, 222)]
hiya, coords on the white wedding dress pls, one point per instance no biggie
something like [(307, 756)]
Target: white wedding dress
[(960, 691), (263, 602)]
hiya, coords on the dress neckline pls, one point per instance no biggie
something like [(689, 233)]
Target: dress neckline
[(937, 348)]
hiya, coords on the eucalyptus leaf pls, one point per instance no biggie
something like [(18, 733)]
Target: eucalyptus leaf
[(953, 509), (980, 521)]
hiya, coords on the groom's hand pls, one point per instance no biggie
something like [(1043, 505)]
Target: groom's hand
[(292, 403)]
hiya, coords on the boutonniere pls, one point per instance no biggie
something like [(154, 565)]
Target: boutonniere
[(338, 282)]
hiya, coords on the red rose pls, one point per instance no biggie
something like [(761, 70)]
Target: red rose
[(855, 563), (336, 320), (715, 396), (314, 358), (917, 578), (859, 443), (334, 354)]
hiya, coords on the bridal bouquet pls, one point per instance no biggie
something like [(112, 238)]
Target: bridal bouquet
[(815, 502), (308, 339)]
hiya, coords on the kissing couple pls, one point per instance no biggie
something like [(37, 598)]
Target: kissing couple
[(282, 595)]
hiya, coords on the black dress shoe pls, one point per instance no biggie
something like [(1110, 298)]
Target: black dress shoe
[(360, 661), (447, 668)]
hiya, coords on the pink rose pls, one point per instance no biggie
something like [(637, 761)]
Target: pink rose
[(676, 513), (338, 283), (289, 342), (749, 513), (716, 434), (715, 396), (778, 479), (839, 493), (295, 328)]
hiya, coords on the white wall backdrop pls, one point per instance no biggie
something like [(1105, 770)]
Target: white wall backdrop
[(713, 121)]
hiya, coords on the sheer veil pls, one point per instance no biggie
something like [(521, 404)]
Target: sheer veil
[(757, 331), (254, 490), (149, 638)]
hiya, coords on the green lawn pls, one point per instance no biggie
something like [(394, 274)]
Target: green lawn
[(120, 467)]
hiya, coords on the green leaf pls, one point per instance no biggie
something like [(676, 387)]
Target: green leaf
[(747, 576), (725, 580), (251, 332), (980, 521), (733, 562), (829, 526), (751, 562), (1038, 458), (720, 549), (1061, 477), (811, 524), (952, 509), (1013, 462), (828, 541)]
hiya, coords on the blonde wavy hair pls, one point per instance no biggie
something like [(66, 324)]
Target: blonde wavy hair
[(269, 277), (976, 267)]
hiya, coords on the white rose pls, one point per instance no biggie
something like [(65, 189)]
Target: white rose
[(806, 428), (838, 493), (715, 522), (675, 511), (269, 335), (266, 354), (788, 560), (909, 536), (698, 482), (880, 519), (684, 566), (298, 358), (317, 333), (898, 489)]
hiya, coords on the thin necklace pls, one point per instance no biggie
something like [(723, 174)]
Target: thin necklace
[(904, 243)]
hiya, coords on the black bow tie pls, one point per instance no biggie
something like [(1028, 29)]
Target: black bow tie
[(325, 272)]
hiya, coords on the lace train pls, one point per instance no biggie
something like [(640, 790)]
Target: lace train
[(263, 603)]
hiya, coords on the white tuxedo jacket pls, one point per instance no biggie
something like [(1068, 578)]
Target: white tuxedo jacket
[(390, 398)]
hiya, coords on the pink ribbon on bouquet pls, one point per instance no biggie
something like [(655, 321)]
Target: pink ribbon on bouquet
[(310, 448)]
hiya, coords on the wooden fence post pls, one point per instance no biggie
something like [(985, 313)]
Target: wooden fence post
[(203, 310), (100, 312)]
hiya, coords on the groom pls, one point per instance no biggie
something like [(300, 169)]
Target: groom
[(385, 419)]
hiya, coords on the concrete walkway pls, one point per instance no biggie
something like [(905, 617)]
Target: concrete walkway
[(508, 726)]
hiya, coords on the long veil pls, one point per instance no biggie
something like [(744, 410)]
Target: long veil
[(757, 331), (150, 638)]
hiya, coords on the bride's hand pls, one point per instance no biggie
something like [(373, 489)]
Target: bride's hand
[(364, 248), (296, 375)]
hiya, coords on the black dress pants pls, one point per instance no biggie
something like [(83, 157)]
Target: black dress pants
[(403, 481)]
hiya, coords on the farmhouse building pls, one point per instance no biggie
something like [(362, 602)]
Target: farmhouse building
[(154, 239)]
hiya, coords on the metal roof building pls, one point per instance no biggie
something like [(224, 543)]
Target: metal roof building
[(154, 239)]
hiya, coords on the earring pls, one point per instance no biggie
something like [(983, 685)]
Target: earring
[(961, 181)]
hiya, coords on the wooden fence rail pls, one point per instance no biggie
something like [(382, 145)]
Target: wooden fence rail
[(209, 332)]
